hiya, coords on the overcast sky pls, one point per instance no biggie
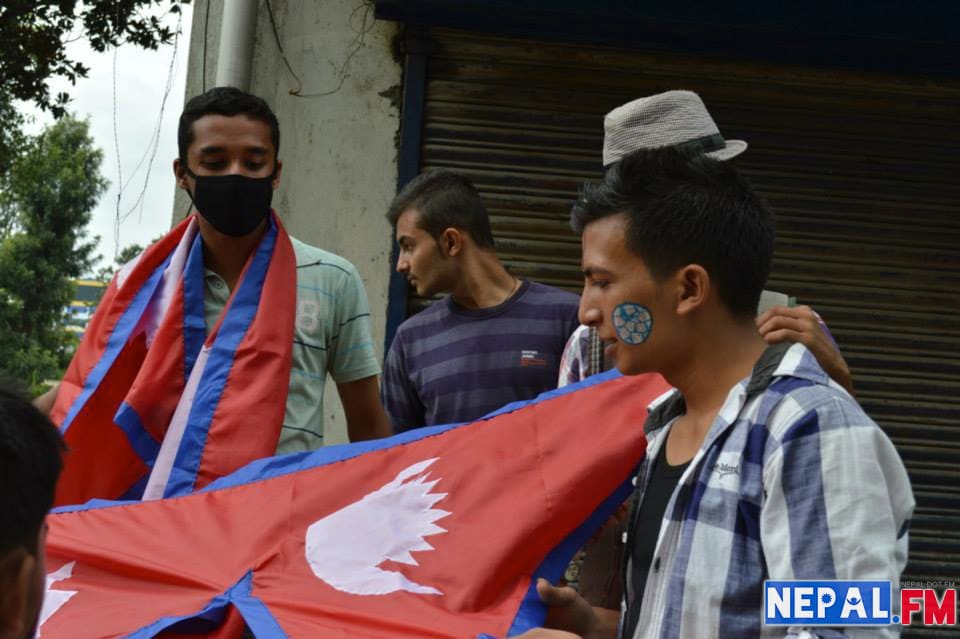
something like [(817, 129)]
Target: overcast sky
[(141, 80)]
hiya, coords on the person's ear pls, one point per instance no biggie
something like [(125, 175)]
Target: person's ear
[(692, 286), (276, 174), (451, 241), (17, 577), (180, 173)]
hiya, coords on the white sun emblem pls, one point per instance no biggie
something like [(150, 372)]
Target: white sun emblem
[(345, 548)]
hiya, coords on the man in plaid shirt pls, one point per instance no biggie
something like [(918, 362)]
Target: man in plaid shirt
[(758, 466)]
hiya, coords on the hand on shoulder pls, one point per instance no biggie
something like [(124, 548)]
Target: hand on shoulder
[(802, 324)]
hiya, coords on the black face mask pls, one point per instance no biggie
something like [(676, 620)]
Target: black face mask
[(233, 204)]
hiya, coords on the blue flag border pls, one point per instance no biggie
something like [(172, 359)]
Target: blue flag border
[(531, 612)]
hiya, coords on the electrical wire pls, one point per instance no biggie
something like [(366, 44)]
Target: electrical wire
[(276, 38), (154, 145), (146, 151), (206, 25), (116, 146), (354, 47)]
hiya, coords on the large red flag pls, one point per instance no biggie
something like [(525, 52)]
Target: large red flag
[(439, 532)]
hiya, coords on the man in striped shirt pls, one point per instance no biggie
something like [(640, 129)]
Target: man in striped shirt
[(493, 340), (758, 465)]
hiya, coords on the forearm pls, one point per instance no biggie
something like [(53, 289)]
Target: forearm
[(371, 425), (363, 410)]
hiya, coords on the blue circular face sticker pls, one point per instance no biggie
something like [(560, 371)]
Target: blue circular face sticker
[(633, 323)]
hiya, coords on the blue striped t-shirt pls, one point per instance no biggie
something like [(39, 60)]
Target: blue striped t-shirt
[(451, 364)]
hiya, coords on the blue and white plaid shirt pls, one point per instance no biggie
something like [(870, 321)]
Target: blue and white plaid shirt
[(793, 481)]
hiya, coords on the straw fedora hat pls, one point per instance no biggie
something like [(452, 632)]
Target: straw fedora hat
[(673, 118)]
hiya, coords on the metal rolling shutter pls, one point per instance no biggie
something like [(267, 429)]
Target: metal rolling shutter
[(861, 169)]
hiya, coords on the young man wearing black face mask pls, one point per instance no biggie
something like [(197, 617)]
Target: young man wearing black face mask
[(229, 143), (241, 292)]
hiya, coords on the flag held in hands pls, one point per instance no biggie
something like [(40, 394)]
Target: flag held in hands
[(438, 532)]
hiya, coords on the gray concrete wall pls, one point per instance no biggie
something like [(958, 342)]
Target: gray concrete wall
[(337, 143)]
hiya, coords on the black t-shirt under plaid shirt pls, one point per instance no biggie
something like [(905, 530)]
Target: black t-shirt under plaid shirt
[(645, 528)]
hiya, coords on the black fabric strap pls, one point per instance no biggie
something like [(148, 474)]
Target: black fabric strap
[(706, 144), (760, 378)]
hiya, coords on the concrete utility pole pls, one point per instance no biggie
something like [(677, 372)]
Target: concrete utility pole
[(237, 30)]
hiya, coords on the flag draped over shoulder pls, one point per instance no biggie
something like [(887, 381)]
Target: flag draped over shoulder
[(438, 532), (153, 406)]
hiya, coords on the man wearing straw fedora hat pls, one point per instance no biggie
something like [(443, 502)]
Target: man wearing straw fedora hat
[(680, 119), (677, 119), (759, 466)]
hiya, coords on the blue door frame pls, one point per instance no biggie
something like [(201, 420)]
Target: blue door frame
[(408, 162)]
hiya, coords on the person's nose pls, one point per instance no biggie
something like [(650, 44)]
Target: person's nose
[(237, 167), (403, 265), (589, 312)]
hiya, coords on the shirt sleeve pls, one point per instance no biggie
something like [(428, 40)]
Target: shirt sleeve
[(837, 502), (351, 353), (400, 398)]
